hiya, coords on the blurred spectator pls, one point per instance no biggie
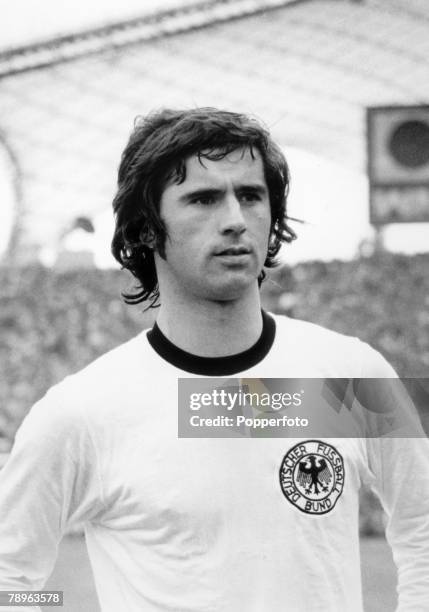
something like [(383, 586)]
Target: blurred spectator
[(76, 248)]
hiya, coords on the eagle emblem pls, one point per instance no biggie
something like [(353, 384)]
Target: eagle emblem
[(314, 472), (312, 476)]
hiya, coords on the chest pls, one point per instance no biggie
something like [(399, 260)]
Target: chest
[(158, 483)]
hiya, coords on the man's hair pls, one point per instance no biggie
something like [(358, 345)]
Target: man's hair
[(156, 153)]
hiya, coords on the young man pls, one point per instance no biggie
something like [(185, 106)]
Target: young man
[(205, 524)]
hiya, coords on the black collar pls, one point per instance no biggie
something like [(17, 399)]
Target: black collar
[(214, 366)]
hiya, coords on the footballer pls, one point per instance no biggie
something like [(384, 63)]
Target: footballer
[(220, 524)]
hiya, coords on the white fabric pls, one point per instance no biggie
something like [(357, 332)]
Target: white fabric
[(202, 524)]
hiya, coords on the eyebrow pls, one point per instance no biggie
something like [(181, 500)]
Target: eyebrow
[(257, 187), (199, 193), (211, 191)]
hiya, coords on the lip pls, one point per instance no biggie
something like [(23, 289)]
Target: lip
[(234, 251)]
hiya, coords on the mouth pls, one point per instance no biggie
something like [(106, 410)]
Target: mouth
[(234, 251)]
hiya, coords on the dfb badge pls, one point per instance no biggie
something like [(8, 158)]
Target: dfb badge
[(312, 476)]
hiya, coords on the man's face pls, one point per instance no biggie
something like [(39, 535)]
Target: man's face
[(218, 225)]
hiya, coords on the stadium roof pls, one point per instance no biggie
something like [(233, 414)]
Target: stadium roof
[(308, 68)]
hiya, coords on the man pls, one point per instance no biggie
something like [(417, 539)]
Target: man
[(204, 524)]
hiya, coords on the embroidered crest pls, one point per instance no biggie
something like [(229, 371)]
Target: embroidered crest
[(312, 476)]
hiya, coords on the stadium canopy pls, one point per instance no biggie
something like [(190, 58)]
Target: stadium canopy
[(307, 68)]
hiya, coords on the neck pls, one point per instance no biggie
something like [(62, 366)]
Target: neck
[(212, 329)]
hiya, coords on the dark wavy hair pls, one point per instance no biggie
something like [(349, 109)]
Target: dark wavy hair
[(155, 154)]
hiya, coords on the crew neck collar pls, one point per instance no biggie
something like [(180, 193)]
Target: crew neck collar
[(214, 366)]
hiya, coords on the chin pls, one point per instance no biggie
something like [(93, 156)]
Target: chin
[(232, 289)]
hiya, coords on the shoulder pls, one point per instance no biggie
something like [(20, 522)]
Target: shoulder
[(311, 333), (99, 385), (339, 353), (113, 368)]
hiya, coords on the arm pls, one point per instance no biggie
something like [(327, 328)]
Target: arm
[(401, 480), (50, 481), (399, 470)]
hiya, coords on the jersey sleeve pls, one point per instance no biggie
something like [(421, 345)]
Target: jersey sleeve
[(400, 477), (50, 482)]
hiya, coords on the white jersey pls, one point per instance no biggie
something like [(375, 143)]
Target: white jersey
[(194, 525)]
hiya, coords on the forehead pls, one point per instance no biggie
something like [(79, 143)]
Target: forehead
[(241, 166)]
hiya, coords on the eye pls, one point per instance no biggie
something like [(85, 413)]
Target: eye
[(203, 199), (248, 197)]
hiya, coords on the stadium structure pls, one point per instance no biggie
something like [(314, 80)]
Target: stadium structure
[(308, 68)]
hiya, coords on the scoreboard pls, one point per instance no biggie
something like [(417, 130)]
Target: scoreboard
[(398, 164)]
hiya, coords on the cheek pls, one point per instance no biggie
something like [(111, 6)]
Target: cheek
[(181, 244), (263, 226)]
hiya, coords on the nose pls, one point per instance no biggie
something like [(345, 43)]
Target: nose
[(232, 218)]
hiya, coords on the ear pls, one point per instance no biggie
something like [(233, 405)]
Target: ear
[(148, 238)]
